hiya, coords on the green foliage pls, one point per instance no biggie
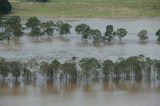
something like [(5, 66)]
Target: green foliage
[(65, 29), (5, 7), (158, 35), (121, 32), (143, 35), (81, 28), (16, 69), (32, 22), (109, 35), (69, 69), (14, 26), (89, 66), (4, 69), (97, 36), (48, 28), (107, 68)]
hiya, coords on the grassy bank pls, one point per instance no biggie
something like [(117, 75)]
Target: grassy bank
[(89, 8)]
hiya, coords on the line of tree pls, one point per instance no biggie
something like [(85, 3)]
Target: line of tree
[(134, 67), (13, 27)]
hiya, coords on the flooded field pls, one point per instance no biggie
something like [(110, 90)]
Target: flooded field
[(40, 93), (100, 93), (46, 50)]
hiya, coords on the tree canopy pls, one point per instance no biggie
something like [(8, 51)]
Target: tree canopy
[(5, 6)]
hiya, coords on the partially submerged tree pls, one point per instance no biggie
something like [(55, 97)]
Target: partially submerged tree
[(107, 68), (80, 29), (16, 69), (143, 35), (65, 29), (120, 33), (109, 35), (14, 26), (97, 36), (48, 28), (158, 35)]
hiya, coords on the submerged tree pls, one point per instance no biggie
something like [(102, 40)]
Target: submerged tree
[(4, 69), (58, 27), (48, 28), (26, 73), (143, 35), (80, 29), (97, 36), (109, 35), (16, 69), (32, 22), (121, 32), (107, 68), (65, 29), (69, 69), (158, 35), (89, 67), (14, 25)]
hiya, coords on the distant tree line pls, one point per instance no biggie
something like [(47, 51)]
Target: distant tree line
[(134, 67), (13, 27), (5, 6)]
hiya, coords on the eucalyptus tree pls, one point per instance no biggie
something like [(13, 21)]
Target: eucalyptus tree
[(32, 22), (157, 65), (69, 69), (44, 68), (48, 28), (120, 33), (65, 29), (15, 25), (148, 67), (58, 27), (158, 35), (36, 31), (55, 65), (97, 36), (107, 68), (120, 68), (86, 33), (109, 34), (143, 35), (4, 69), (26, 73), (135, 67), (16, 69), (89, 67), (81, 28)]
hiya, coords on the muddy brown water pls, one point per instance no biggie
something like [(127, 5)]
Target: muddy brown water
[(101, 93)]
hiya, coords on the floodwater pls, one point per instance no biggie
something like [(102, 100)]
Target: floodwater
[(102, 93), (46, 50)]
